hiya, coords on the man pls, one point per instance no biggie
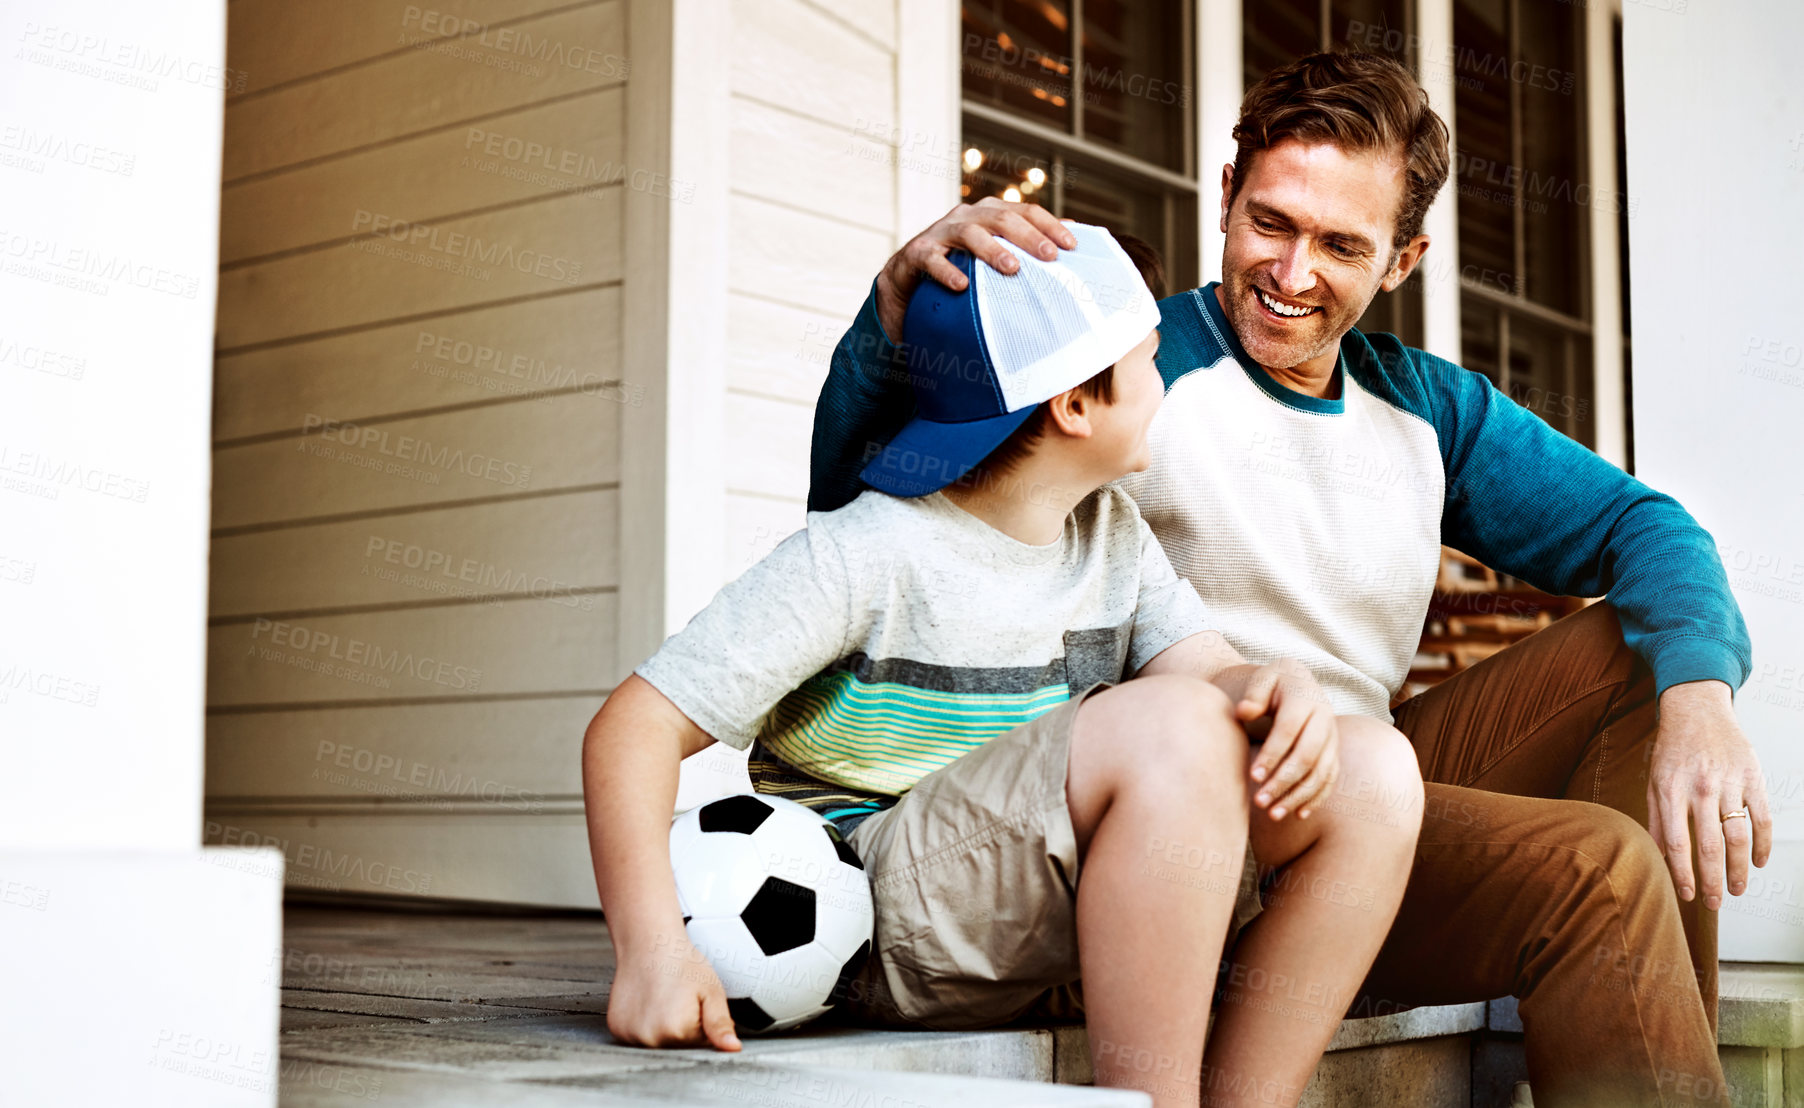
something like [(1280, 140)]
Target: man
[(1303, 478)]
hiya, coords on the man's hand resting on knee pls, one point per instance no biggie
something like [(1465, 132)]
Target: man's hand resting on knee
[(1300, 758), (1280, 705), (1704, 768)]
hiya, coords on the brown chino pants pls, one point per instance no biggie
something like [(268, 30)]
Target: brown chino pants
[(1535, 877)]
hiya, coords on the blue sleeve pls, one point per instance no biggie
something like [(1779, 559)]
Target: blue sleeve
[(865, 400), (1524, 499)]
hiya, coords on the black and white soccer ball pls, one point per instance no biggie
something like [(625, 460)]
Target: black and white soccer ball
[(776, 901)]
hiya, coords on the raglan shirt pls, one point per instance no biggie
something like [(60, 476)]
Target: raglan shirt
[(1312, 527), (891, 636)]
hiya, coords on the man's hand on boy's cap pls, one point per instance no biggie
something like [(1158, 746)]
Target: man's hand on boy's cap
[(971, 227)]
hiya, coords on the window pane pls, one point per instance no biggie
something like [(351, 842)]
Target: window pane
[(999, 165), (1478, 337), (1016, 55), (1135, 87), (1373, 26), (1276, 33), (1073, 188), (1398, 313), (1550, 375), (1482, 173), (1553, 203)]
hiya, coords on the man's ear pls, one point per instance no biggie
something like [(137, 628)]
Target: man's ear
[(1405, 263), (1227, 186)]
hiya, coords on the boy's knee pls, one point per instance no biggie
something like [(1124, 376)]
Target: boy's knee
[(1178, 719), (1170, 728), (1379, 775)]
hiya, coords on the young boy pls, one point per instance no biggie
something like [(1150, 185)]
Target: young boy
[(941, 668)]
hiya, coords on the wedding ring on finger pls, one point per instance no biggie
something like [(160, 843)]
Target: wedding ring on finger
[(1739, 813)]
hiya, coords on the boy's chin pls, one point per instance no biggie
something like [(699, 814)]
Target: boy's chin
[(1136, 464)]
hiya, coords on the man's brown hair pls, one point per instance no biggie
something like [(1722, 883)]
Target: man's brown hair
[(1358, 102)]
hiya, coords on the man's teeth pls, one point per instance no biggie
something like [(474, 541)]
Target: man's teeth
[(1281, 309)]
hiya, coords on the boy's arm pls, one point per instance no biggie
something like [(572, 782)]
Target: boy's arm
[(765, 633), (664, 993)]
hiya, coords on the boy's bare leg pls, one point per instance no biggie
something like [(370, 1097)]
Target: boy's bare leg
[(1300, 963), (1158, 804)]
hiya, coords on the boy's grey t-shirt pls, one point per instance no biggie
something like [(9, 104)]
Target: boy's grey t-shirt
[(889, 637)]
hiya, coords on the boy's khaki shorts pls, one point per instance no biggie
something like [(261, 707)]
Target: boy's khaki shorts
[(974, 876)]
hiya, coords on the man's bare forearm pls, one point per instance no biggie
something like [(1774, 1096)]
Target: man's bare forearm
[(632, 752)]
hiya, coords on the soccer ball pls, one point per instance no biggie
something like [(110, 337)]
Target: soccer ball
[(776, 902)]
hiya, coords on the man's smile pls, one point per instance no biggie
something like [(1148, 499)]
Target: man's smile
[(1280, 308)]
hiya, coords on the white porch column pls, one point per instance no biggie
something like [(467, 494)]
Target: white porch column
[(1218, 79), (1715, 120), (1608, 395), (1440, 268), (135, 967)]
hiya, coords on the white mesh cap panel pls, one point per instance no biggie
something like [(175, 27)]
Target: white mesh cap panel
[(1053, 325)]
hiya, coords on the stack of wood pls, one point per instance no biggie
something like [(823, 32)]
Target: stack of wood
[(1474, 613)]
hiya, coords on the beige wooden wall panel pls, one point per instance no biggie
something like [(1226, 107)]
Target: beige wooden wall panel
[(504, 856), (801, 259), (542, 546), (848, 173), (778, 350), (459, 651), (517, 751), (536, 151), (793, 54), (494, 451), (543, 247), (452, 619), (873, 18), (363, 105), (767, 446), (276, 41), (813, 127), (755, 525), (532, 346)]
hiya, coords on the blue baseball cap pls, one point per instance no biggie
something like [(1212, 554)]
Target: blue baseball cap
[(983, 359)]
